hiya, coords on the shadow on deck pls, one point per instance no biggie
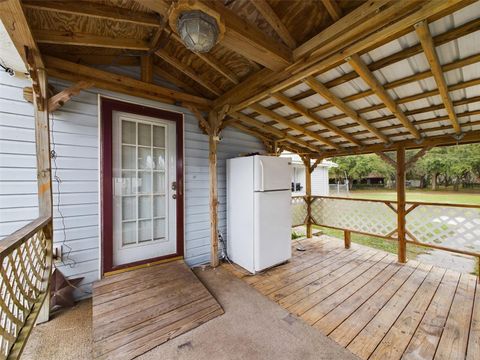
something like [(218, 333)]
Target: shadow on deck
[(135, 311), (373, 306)]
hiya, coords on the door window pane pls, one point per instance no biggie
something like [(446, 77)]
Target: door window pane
[(129, 183), (159, 206), (159, 229), (159, 136), (145, 182), (144, 135), (128, 157), (128, 132), (144, 207), (144, 230), (159, 159), (145, 160), (129, 232), (159, 182), (128, 208)]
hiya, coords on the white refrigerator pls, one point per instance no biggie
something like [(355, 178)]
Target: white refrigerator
[(259, 211)]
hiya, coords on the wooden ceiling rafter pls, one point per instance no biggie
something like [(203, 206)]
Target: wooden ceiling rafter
[(317, 64), (333, 9), (314, 117), (188, 71), (359, 66), (281, 134), (281, 120), (95, 10), (323, 91), (274, 21), (164, 74), (423, 33)]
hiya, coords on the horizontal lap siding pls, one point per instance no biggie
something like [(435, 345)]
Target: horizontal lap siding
[(75, 133)]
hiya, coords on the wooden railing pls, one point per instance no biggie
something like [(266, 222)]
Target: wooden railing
[(26, 265), (449, 227)]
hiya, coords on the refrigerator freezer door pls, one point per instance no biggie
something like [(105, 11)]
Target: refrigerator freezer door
[(272, 173), (272, 224)]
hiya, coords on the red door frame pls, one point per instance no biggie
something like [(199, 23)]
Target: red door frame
[(107, 107)]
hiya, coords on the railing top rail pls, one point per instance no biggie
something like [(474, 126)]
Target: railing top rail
[(15, 239), (394, 202)]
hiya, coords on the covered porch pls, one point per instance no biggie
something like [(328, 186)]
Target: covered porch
[(319, 79)]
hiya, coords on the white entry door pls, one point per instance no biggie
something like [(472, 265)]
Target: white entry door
[(144, 174)]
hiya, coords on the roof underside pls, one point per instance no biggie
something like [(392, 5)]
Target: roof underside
[(415, 84)]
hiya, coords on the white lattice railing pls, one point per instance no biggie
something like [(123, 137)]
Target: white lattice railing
[(449, 227), (26, 263), (299, 211)]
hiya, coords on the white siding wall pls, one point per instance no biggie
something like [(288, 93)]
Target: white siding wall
[(320, 181), (75, 134)]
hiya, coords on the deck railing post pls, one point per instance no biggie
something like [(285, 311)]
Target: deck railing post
[(44, 172), (402, 244), (308, 195), (347, 238)]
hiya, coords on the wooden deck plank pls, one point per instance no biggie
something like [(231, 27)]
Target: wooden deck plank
[(168, 303), (473, 350), (375, 307), (397, 338), (454, 340), (425, 340), (334, 318), (367, 340), (330, 267), (340, 289), (323, 290)]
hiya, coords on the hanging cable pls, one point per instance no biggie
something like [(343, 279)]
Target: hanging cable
[(66, 259)]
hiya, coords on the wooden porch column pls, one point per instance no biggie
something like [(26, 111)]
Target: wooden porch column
[(308, 194), (44, 170), (214, 122), (402, 244)]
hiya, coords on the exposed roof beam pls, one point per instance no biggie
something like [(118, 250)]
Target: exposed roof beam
[(275, 22), (16, 24), (320, 63), (359, 66), (146, 68), (280, 119), (103, 79), (240, 36), (95, 10), (426, 40), (314, 117), (323, 91), (212, 62), (188, 71), (273, 130), (333, 9), (82, 39), (89, 59), (443, 140), (164, 74)]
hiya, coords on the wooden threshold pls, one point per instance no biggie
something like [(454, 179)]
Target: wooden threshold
[(372, 305), (135, 311)]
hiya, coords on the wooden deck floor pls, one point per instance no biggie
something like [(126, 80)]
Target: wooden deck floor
[(373, 306), (138, 310)]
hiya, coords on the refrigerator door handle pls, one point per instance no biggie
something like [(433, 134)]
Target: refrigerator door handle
[(262, 181)]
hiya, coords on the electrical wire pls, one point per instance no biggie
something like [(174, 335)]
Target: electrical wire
[(66, 259)]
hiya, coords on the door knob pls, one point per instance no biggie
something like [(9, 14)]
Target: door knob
[(174, 196)]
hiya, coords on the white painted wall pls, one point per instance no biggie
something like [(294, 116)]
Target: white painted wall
[(75, 134)]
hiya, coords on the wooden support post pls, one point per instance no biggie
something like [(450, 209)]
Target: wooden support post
[(44, 172), (402, 244), (347, 238), (214, 125), (308, 194)]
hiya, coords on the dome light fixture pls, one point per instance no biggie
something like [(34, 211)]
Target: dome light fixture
[(198, 31), (199, 27)]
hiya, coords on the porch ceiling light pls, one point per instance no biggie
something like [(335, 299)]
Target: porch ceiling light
[(198, 31), (198, 26)]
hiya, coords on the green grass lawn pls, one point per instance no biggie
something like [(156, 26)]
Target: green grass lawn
[(449, 197)]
